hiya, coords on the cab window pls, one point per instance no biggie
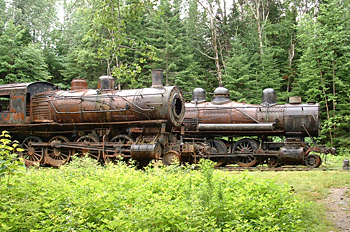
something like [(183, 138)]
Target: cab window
[(4, 103)]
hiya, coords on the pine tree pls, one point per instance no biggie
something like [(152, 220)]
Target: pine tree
[(20, 61), (324, 67)]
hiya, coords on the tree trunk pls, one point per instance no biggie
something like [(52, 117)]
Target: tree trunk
[(213, 30)]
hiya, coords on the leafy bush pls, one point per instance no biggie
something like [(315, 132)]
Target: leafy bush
[(84, 196), (9, 162)]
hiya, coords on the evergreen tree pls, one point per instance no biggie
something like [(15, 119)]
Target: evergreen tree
[(324, 67), (197, 62), (253, 64), (20, 61), (166, 34)]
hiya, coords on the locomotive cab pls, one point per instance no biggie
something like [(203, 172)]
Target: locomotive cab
[(15, 100)]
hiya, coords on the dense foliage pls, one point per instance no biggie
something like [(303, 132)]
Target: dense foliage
[(84, 196), (297, 47), (10, 164)]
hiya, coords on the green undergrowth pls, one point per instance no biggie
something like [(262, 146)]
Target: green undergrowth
[(84, 196)]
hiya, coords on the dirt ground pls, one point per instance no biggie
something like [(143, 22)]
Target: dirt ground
[(339, 211)]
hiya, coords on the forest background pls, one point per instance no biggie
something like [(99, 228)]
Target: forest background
[(298, 47)]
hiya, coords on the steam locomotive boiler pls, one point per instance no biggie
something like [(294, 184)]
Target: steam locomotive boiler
[(105, 123), (270, 133)]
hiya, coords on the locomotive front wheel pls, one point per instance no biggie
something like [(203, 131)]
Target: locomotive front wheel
[(86, 141), (246, 146), (31, 154), (119, 143), (272, 161), (313, 161), (218, 147), (57, 156), (171, 157)]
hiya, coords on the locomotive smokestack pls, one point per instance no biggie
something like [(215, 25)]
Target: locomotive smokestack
[(157, 78)]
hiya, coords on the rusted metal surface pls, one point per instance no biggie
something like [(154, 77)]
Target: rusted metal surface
[(111, 106), (16, 109), (286, 118), (269, 97), (79, 84), (146, 151), (106, 82), (171, 157), (323, 150), (157, 78), (236, 127), (55, 154), (52, 124)]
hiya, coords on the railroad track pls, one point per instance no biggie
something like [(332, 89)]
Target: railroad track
[(277, 169)]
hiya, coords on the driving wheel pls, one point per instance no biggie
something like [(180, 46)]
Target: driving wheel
[(218, 147), (87, 142), (246, 146), (57, 155), (32, 154)]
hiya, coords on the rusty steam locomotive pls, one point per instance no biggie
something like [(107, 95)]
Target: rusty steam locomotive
[(154, 123), (105, 123), (268, 133)]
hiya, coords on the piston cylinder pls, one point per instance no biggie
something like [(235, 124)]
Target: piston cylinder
[(291, 154), (145, 151)]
